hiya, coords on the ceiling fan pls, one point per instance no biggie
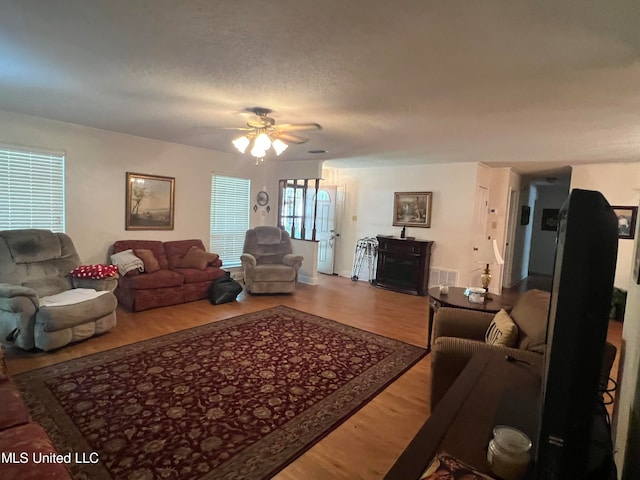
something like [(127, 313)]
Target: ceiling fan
[(263, 133)]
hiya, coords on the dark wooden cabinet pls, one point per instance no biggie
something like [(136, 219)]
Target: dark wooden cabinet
[(403, 265)]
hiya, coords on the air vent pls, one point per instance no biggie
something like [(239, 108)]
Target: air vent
[(442, 275)]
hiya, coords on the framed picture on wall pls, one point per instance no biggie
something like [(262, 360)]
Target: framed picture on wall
[(149, 202), (626, 221), (412, 209), (550, 219)]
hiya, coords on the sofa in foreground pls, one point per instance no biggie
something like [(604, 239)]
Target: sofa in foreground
[(167, 273), (22, 440)]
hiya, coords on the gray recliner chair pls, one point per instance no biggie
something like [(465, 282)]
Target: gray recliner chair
[(34, 266), (268, 262)]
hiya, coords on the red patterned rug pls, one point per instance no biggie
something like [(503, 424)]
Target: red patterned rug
[(235, 399)]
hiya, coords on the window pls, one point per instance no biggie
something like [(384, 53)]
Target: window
[(297, 207), (229, 217), (31, 189)]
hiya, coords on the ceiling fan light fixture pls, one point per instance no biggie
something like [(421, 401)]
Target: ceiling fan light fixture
[(279, 146), (263, 134), (241, 143), (262, 142), (257, 152)]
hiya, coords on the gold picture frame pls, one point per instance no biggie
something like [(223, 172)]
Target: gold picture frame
[(412, 209), (149, 202)]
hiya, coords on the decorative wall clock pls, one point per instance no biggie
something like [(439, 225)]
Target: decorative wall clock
[(262, 198)]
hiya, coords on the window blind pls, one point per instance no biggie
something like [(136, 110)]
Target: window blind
[(31, 190), (230, 205)]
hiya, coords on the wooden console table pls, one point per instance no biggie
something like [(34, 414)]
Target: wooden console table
[(490, 391), (403, 265), (456, 298)]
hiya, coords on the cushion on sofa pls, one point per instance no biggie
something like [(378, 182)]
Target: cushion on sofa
[(159, 279), (156, 246), (193, 275), (14, 411), (3, 366), (502, 331), (273, 273), (530, 315), (196, 258), (54, 318), (31, 440), (177, 249), (148, 258)]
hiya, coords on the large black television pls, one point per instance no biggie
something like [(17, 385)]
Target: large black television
[(585, 263)]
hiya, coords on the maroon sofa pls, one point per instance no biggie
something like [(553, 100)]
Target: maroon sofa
[(170, 285), (21, 439)]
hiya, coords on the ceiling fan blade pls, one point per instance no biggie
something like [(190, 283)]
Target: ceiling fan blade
[(296, 127), (289, 138), (244, 129)]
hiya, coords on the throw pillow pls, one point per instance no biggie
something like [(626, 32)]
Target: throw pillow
[(502, 331), (148, 258), (97, 271), (196, 258)]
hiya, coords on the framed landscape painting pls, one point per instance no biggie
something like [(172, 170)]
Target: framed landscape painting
[(150, 202), (412, 209)]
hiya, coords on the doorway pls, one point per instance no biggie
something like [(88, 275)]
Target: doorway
[(512, 219), (330, 199), (480, 218)]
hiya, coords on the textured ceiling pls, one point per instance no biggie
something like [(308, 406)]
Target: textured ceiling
[(537, 84)]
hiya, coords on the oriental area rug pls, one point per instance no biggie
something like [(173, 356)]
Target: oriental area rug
[(235, 399)]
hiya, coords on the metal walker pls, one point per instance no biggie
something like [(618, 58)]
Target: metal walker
[(366, 249)]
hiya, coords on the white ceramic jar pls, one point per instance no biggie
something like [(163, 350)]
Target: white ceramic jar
[(509, 453)]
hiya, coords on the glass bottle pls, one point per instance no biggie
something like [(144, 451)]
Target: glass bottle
[(509, 453)]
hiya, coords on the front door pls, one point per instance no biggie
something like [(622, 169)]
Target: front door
[(326, 228)]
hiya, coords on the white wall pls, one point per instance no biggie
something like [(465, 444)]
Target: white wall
[(368, 210), (96, 166), (309, 270), (620, 184)]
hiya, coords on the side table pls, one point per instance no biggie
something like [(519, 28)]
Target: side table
[(457, 299), (490, 391)]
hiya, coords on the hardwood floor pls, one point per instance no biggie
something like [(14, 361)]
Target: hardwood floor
[(367, 444), (363, 447)]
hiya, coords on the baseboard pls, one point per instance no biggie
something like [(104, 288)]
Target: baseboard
[(307, 280)]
